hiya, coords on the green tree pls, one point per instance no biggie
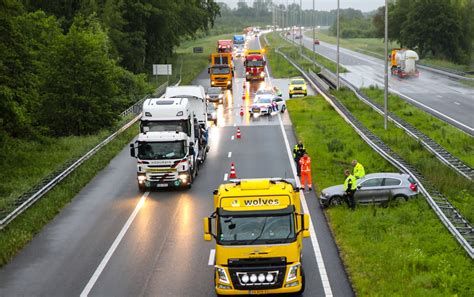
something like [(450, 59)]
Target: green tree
[(81, 93)]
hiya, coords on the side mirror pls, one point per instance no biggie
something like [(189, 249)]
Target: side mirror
[(358, 187), (132, 150), (305, 225), (207, 230), (191, 150), (209, 70)]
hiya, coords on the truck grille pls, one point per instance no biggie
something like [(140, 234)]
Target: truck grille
[(163, 176), (255, 274)]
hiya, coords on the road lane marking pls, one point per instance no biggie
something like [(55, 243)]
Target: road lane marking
[(229, 155), (314, 239), (226, 176), (232, 137), (457, 103), (212, 255), (113, 247)]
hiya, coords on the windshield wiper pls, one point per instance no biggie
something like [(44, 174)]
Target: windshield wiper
[(261, 232)]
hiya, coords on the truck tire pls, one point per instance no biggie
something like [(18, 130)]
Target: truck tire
[(141, 188), (303, 282)]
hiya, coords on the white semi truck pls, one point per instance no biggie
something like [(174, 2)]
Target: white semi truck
[(168, 143), (198, 104)]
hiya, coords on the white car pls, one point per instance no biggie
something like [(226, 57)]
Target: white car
[(266, 104)]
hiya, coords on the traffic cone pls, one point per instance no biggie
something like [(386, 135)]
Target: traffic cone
[(238, 133), (232, 174), (243, 95), (241, 111)]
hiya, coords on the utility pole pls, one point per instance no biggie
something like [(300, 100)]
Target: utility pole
[(314, 35), (301, 28), (385, 95), (337, 29)]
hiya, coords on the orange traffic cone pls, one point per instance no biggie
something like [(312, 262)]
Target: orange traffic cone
[(238, 133), (241, 111), (232, 174), (243, 96)]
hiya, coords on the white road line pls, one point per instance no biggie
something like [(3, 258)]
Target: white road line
[(457, 103), (314, 239), (212, 255), (113, 247), (232, 137), (226, 176), (431, 109), (229, 155)]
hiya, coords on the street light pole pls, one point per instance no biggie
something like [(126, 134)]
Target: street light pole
[(301, 24), (337, 29), (385, 95), (312, 23)]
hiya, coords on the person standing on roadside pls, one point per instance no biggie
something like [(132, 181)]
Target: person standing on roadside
[(359, 171), (305, 169), (298, 152), (350, 187)]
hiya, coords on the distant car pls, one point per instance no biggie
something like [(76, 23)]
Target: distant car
[(298, 36), (288, 33), (215, 94), (316, 42), (376, 188), (297, 86), (264, 105), (211, 113)]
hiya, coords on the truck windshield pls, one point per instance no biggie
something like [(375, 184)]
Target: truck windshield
[(256, 63), (256, 229), (220, 70), (161, 150), (168, 126)]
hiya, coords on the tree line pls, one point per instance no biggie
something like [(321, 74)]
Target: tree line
[(69, 67)]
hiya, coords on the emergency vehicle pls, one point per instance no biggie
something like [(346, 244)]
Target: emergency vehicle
[(259, 227), (254, 65), (224, 46)]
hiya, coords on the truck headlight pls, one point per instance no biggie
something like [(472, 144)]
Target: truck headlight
[(183, 177), (228, 82), (141, 178), (212, 83), (262, 74), (222, 275), (221, 96), (247, 73), (292, 272)]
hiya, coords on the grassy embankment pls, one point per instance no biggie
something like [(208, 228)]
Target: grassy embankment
[(381, 247), (458, 189), (375, 47), (26, 162)]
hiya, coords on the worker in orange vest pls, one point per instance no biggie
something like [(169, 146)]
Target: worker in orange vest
[(305, 167)]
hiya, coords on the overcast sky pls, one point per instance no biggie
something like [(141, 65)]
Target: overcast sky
[(364, 5)]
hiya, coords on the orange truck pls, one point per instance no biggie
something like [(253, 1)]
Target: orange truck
[(221, 70)]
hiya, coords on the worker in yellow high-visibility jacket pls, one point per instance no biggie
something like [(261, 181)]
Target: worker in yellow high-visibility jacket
[(350, 187), (359, 171)]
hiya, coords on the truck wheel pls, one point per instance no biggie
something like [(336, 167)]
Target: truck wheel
[(303, 282), (291, 96), (141, 188)]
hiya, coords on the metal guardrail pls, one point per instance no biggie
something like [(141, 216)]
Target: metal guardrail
[(44, 186), (459, 227)]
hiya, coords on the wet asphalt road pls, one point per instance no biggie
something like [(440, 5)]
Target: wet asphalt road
[(162, 253), (435, 93)]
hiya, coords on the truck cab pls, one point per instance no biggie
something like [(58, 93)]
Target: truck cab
[(259, 228), (224, 46), (254, 66), (164, 159)]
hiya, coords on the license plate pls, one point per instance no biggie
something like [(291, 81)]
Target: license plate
[(258, 292), (161, 185)]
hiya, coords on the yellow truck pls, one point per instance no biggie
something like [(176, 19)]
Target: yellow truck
[(221, 70), (259, 228)]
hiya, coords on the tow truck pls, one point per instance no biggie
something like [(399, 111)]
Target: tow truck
[(254, 65), (259, 228)]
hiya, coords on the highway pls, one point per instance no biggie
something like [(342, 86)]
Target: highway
[(113, 241), (438, 94)]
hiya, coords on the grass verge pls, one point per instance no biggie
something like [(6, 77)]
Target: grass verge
[(452, 139), (280, 67), (382, 248), (19, 232), (457, 188)]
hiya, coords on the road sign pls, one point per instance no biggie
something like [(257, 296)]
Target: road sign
[(197, 50), (162, 69)]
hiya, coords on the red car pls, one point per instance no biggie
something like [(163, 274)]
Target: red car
[(316, 42)]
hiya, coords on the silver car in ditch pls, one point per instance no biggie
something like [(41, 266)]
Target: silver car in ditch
[(378, 188)]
